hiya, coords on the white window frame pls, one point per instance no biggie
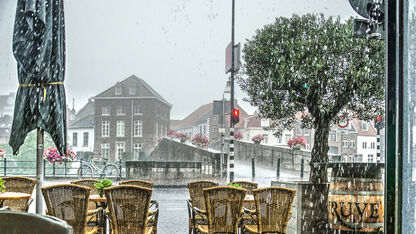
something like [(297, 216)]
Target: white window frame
[(137, 149), (118, 91), (120, 128), (297, 131), (364, 128), (333, 135), (344, 143), (132, 91), (370, 158), (122, 146), (306, 131), (105, 128), (138, 128), (266, 138), (105, 111), (279, 140), (74, 139), (105, 150), (352, 143), (137, 110), (372, 145), (364, 145), (120, 110), (85, 139)]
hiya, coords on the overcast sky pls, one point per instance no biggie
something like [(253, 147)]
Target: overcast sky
[(176, 46)]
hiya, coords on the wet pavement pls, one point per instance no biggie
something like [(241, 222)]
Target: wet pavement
[(173, 212)]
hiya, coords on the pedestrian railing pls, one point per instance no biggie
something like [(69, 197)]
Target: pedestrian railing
[(12, 167)]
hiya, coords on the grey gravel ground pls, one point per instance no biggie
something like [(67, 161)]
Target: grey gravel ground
[(173, 216)]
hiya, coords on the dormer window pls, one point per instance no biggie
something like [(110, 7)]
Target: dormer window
[(132, 91), (364, 126), (118, 90), (120, 110)]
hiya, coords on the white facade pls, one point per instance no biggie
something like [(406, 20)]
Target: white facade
[(84, 139), (367, 148), (269, 138)]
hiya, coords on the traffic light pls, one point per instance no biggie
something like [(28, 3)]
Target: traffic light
[(235, 116), (379, 123)]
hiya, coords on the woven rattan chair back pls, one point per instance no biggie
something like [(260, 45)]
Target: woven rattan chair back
[(89, 183), (128, 205), (68, 202), (273, 208), (224, 208), (196, 192), (249, 186), (141, 183), (20, 185)]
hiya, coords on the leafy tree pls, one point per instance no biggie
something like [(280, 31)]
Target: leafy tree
[(310, 68)]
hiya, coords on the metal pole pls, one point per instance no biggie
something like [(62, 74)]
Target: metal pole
[(253, 168), (278, 168), (231, 154), (39, 171), (302, 167), (222, 139)]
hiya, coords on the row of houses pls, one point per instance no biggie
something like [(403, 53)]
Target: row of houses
[(357, 142)]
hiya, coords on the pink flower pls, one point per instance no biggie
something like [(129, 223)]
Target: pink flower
[(296, 141), (52, 155), (200, 141), (238, 136), (257, 138)]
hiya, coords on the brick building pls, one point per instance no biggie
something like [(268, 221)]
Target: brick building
[(129, 118)]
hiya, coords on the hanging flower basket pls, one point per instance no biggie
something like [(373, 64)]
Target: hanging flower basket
[(171, 134), (296, 142), (200, 141), (52, 155), (257, 139), (238, 136)]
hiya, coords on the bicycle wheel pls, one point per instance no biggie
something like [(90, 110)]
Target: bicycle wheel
[(85, 171), (111, 170)]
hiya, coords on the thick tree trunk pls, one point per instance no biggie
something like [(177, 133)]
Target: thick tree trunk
[(318, 178), (320, 153)]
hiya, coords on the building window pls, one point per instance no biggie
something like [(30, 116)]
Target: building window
[(364, 126), (138, 128), (333, 150), (364, 145), (118, 90), (120, 110), (370, 158), (352, 143), (297, 131), (137, 110), (105, 129), (74, 139), (205, 129), (137, 149), (287, 137), (120, 128), (105, 111), (264, 122), (360, 158), (119, 149), (344, 143), (333, 135), (279, 140), (306, 131), (105, 150), (308, 146), (372, 145), (266, 139), (132, 91), (85, 143)]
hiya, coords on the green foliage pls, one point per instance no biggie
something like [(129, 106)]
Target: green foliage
[(310, 68), (105, 183), (234, 185), (312, 65), (2, 187)]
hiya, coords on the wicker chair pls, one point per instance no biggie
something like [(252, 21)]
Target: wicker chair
[(129, 209), (224, 209), (89, 183), (154, 205), (273, 210), (249, 186), (197, 200), (20, 185), (69, 202), (141, 183)]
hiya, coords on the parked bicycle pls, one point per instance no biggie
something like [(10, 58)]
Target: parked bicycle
[(89, 169)]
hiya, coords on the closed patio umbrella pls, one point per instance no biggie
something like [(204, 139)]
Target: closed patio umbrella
[(39, 49)]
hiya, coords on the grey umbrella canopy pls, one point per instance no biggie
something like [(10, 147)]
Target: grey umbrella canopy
[(39, 49)]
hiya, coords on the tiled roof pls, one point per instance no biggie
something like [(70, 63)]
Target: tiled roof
[(371, 130), (252, 121), (88, 109), (85, 122), (142, 90), (201, 115), (174, 122)]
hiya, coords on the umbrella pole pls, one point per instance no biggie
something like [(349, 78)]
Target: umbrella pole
[(39, 171)]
